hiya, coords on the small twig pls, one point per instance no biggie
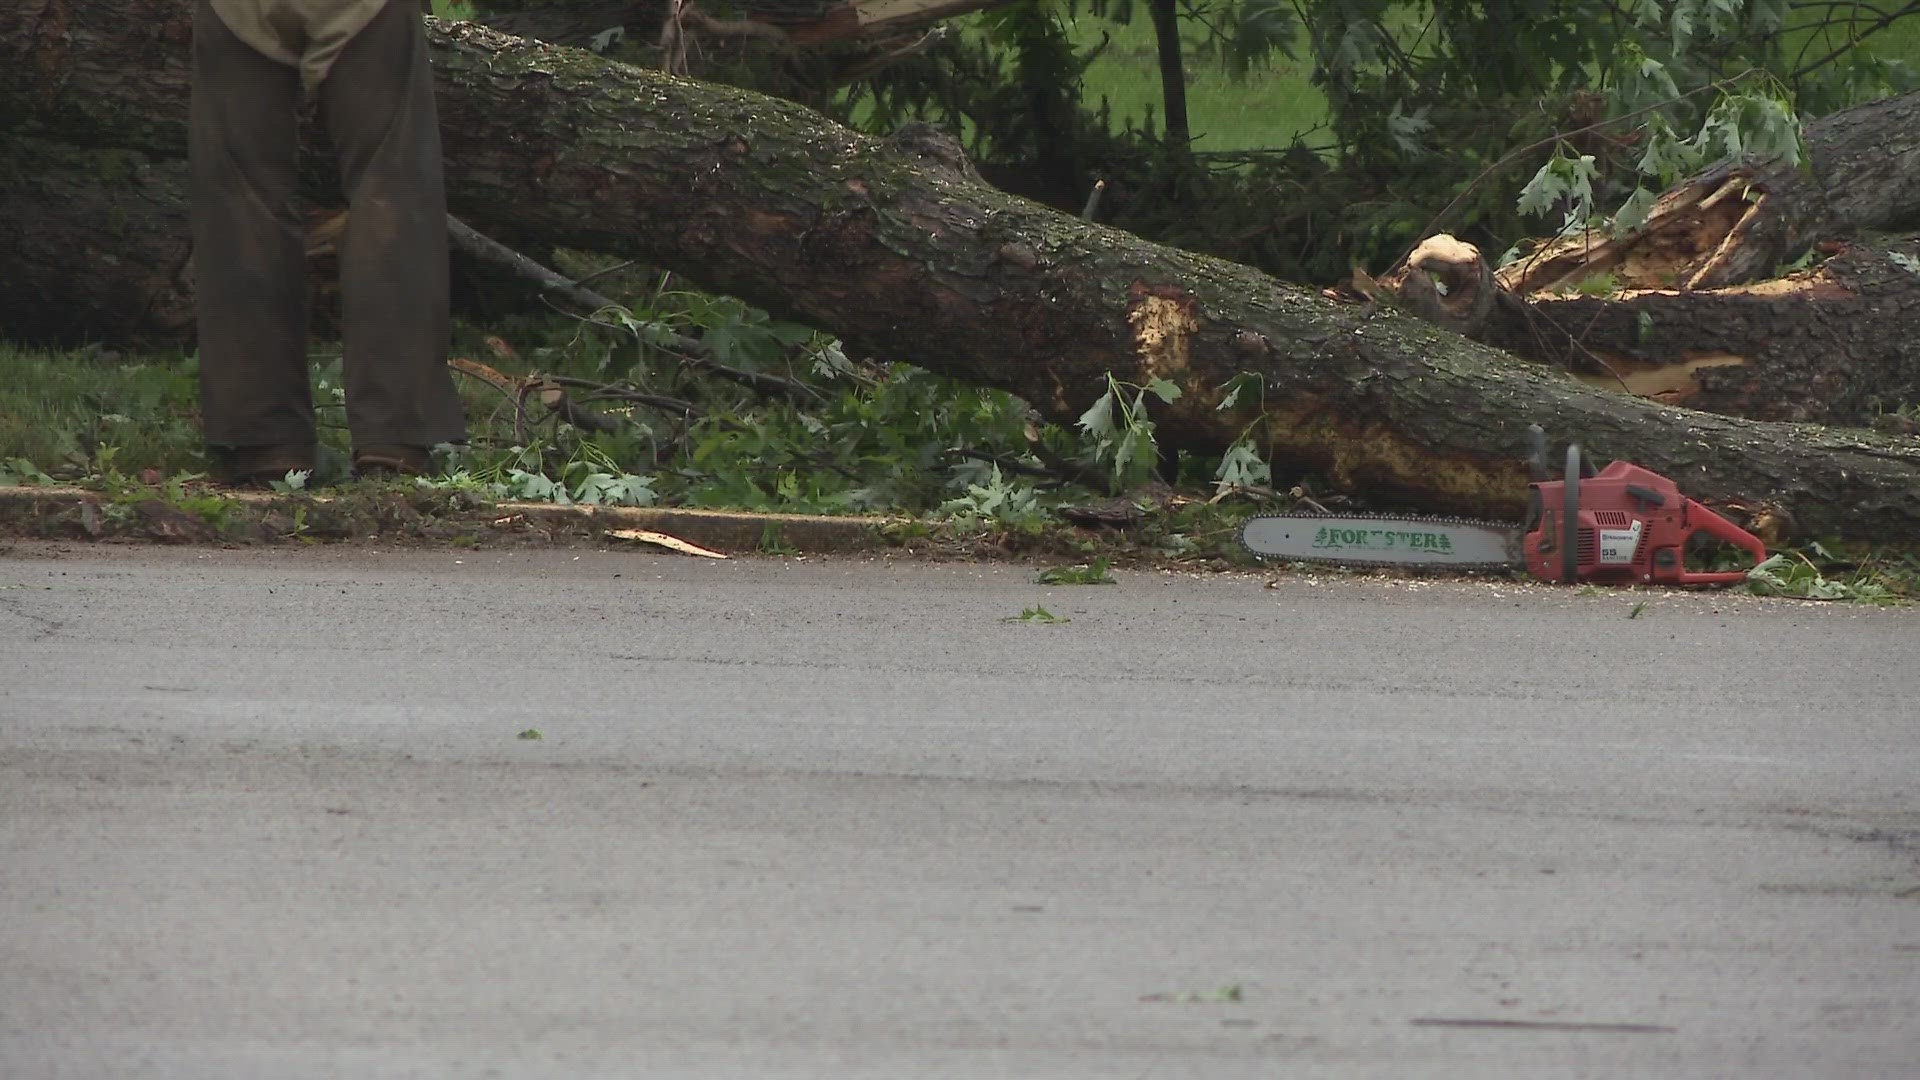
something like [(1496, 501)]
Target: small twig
[(1006, 464), (1257, 491), (699, 354), (520, 414), (1885, 20), (618, 392), (495, 379), (874, 65), (1530, 312), (470, 241), (673, 40), (1073, 473), (614, 269), (549, 387), (1093, 200)]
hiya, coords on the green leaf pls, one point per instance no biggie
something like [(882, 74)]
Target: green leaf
[(1633, 213), (1563, 177), (533, 487), (1541, 192), (1409, 131), (1097, 421), (1010, 502), (617, 489), (787, 333), (18, 470), (1242, 467), (1796, 576), (1245, 382), (1164, 390), (1084, 574)]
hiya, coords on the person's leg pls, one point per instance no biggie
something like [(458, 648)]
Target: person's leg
[(377, 102), (249, 254)]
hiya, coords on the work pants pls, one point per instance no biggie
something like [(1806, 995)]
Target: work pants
[(249, 244)]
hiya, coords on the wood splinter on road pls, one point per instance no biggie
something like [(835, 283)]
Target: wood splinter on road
[(660, 539)]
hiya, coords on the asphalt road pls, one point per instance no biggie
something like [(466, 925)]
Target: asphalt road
[(269, 814)]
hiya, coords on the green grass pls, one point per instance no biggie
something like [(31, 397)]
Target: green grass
[(1899, 41), (1276, 102), (57, 409), (1265, 110)]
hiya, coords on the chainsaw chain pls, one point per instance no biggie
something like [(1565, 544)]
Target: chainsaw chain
[(1416, 519)]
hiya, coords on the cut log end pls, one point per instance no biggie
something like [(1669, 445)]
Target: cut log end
[(1446, 281)]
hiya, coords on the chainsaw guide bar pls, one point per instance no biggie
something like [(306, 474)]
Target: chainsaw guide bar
[(1364, 540)]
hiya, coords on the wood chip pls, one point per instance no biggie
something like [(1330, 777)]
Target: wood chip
[(660, 539)]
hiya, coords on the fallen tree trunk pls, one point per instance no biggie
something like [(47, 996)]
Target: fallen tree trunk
[(93, 245), (1835, 343), (910, 259)]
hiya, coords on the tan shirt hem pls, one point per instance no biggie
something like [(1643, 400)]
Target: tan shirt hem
[(305, 34)]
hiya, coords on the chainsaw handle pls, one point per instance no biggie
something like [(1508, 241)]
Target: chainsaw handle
[(1703, 519), (1570, 518), (1536, 453)]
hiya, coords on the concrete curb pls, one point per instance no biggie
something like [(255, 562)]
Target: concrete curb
[(723, 530), (78, 513)]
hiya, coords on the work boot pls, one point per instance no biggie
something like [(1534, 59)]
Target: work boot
[(260, 466), (392, 461)]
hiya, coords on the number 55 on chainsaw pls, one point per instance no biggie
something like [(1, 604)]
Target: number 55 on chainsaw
[(1622, 525)]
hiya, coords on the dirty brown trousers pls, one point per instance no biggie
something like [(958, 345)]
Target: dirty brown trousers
[(249, 243)]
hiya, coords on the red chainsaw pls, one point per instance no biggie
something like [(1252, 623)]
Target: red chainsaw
[(1623, 525)]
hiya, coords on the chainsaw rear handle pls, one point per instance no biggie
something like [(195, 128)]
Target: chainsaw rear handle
[(1537, 453), (1702, 519), (1570, 521)]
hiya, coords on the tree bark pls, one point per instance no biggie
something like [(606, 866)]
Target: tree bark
[(1839, 343), (909, 259), (93, 244), (1173, 70)]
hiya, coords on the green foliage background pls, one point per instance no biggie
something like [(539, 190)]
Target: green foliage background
[(1329, 134)]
